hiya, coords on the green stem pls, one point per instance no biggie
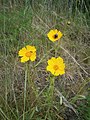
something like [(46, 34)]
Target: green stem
[(56, 48), (51, 86), (31, 81), (49, 99), (51, 90), (25, 85)]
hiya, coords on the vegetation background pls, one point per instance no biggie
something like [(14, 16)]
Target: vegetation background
[(25, 22)]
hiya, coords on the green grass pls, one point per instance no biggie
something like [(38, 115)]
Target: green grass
[(84, 108), (28, 23)]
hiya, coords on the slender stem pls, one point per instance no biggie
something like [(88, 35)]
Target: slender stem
[(31, 82), (51, 91), (25, 85), (51, 86), (49, 99), (56, 48)]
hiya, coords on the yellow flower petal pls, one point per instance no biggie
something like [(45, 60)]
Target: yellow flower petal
[(33, 57), (24, 59), (62, 72), (60, 59), (56, 73), (60, 34), (49, 68), (22, 52), (51, 61), (31, 48), (55, 31)]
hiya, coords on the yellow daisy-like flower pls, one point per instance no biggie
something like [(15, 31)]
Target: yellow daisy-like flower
[(27, 53), (54, 35), (56, 66)]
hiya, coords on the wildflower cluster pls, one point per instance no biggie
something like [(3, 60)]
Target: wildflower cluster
[(55, 65)]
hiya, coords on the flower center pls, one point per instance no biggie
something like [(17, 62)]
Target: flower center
[(56, 67), (28, 54), (56, 36)]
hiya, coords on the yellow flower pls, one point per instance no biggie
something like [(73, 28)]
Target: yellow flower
[(54, 35), (56, 66), (27, 53)]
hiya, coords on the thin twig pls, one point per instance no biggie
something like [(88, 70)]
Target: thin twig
[(74, 59)]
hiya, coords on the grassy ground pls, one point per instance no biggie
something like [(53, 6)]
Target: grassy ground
[(28, 23)]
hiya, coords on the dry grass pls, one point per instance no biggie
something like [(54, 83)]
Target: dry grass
[(30, 25)]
